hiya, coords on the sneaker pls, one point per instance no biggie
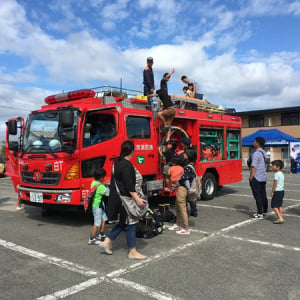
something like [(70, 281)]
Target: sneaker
[(94, 241), (174, 227), (258, 216), (19, 208), (183, 231), (101, 237)]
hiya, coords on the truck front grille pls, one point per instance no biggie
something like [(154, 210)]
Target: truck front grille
[(47, 178)]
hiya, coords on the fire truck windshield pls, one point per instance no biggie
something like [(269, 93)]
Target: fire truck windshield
[(42, 133)]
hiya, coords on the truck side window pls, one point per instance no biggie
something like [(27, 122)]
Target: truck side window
[(233, 144), (138, 127), (98, 128), (211, 142)]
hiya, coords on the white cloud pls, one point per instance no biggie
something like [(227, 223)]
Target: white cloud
[(270, 7), (16, 102)]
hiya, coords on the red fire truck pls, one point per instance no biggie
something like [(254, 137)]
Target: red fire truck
[(51, 158)]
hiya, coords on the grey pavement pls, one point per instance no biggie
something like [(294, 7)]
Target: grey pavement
[(228, 255)]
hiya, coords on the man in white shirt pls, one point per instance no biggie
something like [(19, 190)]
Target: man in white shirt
[(293, 156), (196, 90)]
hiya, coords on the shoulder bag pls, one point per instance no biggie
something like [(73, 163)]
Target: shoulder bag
[(134, 211)]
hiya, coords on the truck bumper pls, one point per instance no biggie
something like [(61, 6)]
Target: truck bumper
[(40, 196)]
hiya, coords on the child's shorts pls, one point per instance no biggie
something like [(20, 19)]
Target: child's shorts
[(277, 199), (99, 216)]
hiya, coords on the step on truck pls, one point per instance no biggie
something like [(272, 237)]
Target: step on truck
[(51, 158)]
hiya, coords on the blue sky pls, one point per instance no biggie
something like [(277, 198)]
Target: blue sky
[(244, 53)]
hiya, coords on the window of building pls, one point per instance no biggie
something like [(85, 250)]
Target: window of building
[(290, 118), (256, 121), (138, 127)]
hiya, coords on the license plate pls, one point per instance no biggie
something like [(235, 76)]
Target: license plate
[(36, 197)]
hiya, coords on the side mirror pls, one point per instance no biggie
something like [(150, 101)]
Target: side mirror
[(12, 127), (13, 146), (68, 135), (66, 118)]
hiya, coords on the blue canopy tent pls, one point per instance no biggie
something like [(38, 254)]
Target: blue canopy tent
[(273, 138)]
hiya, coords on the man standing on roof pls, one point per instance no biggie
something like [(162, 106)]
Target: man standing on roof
[(196, 90), (148, 78)]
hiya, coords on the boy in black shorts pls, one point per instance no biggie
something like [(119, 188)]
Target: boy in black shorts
[(277, 193)]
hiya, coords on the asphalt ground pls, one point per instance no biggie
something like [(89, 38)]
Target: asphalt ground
[(228, 255)]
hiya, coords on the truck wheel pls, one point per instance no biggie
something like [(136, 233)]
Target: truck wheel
[(209, 186)]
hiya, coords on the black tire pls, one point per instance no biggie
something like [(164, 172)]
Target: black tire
[(209, 186)]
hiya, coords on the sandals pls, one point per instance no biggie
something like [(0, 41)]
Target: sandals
[(106, 250)]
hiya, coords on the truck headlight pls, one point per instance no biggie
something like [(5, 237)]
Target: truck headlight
[(63, 198)]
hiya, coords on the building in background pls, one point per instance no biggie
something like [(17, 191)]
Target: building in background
[(284, 119)]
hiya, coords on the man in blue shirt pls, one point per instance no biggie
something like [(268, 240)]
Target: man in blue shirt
[(258, 178), (148, 78)]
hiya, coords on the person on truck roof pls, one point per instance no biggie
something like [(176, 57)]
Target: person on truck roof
[(148, 78), (196, 89), (168, 114)]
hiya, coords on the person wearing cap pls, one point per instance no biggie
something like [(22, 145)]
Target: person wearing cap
[(148, 78)]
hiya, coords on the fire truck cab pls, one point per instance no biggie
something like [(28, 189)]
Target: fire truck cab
[(51, 158)]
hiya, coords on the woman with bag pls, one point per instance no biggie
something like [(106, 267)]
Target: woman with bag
[(125, 202), (185, 182)]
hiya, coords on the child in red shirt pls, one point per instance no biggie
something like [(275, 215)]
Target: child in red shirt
[(175, 172)]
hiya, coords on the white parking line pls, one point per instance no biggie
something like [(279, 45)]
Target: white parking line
[(226, 208), (158, 257), (268, 188), (291, 215), (238, 225), (240, 209), (49, 259), (251, 196), (73, 289), (147, 291), (113, 276), (286, 183), (275, 245)]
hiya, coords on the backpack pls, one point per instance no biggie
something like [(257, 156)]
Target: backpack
[(149, 226), (164, 214), (194, 193), (89, 199)]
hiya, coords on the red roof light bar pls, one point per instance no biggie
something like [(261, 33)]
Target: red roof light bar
[(70, 96)]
